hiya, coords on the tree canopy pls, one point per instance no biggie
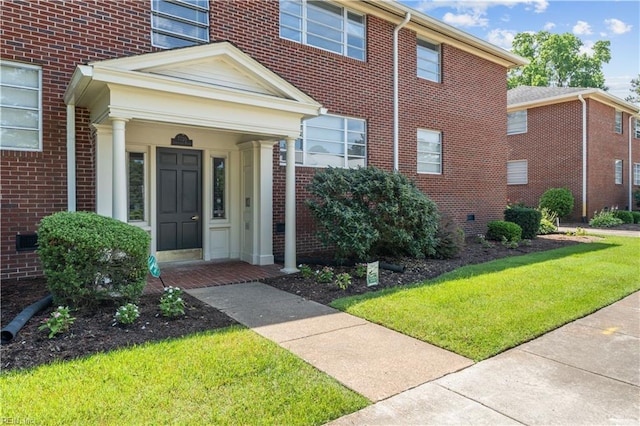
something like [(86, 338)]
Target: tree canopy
[(557, 60), (635, 91)]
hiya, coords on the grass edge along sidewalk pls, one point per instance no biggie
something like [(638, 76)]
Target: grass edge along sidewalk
[(481, 310), (228, 376)]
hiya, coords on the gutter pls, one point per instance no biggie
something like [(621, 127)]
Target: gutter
[(71, 157), (584, 158), (396, 30)]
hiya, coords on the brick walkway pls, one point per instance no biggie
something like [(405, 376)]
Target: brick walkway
[(188, 275)]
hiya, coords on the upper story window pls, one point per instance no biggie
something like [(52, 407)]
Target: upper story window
[(637, 128), (429, 151), (618, 122), (323, 25), (517, 122), (20, 107), (618, 172), (428, 60), (330, 140), (179, 23)]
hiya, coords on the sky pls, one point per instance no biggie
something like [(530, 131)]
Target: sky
[(498, 21)]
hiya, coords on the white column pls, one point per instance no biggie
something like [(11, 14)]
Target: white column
[(290, 210), (265, 215), (119, 170)]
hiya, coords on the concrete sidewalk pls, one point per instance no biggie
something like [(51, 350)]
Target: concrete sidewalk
[(372, 360), (586, 372)]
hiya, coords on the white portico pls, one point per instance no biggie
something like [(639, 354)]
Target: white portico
[(184, 148)]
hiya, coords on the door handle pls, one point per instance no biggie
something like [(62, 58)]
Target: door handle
[(196, 217)]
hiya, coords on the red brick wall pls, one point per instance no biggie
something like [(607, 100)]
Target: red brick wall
[(553, 148), (468, 107)]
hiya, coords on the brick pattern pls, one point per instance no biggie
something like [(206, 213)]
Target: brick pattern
[(553, 148), (468, 107)]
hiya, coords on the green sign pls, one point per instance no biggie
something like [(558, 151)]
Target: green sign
[(372, 273), (154, 269)]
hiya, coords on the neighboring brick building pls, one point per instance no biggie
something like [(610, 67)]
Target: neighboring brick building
[(174, 116), (547, 141)]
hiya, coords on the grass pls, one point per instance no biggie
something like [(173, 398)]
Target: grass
[(481, 310), (230, 376)]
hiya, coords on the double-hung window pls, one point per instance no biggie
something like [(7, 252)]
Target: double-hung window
[(179, 23), (428, 60), (429, 151), (636, 174), (618, 122), (637, 128), (323, 25), (330, 140), (618, 172), (517, 172), (517, 122), (20, 107)]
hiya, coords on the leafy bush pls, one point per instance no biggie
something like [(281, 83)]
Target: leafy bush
[(367, 211), (499, 229), (557, 200), (450, 238), (636, 217), (325, 275), (527, 218), (604, 219), (171, 302), (127, 314), (343, 280), (624, 216), (547, 222), (88, 258), (60, 320), (636, 197)]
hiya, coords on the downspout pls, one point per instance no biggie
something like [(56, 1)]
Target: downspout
[(584, 158), (630, 180), (71, 157), (396, 30)]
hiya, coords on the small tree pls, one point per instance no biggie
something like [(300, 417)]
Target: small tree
[(558, 201)]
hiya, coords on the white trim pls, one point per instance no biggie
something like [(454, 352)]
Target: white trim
[(418, 162)]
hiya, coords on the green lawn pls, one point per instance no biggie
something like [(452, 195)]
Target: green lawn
[(481, 310), (232, 376)]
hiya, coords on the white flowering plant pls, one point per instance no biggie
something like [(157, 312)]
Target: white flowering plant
[(171, 302), (60, 320), (127, 314)]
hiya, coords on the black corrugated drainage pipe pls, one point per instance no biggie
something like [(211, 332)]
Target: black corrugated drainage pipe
[(9, 332)]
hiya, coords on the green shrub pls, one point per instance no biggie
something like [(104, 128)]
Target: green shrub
[(527, 218), (89, 258), (171, 302), (624, 216), (636, 197), (557, 200), (636, 217), (547, 222), (499, 230), (366, 211), (450, 238), (604, 219)]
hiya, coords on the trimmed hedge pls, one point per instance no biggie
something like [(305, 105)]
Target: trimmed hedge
[(636, 217), (528, 219), (499, 229), (624, 216), (558, 200), (89, 258)]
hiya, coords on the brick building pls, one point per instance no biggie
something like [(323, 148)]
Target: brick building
[(585, 140), (177, 116)]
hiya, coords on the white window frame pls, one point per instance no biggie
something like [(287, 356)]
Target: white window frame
[(617, 126), (199, 7), (224, 157), (636, 174), (517, 122), (145, 158), (301, 33), (618, 167), (637, 128), (423, 135), (304, 156), (517, 172), (37, 129), (425, 49)]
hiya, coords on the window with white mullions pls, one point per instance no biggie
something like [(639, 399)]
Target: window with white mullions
[(179, 23), (330, 140), (618, 122), (618, 172), (517, 122), (323, 25), (429, 152), (428, 55), (636, 174), (20, 106)]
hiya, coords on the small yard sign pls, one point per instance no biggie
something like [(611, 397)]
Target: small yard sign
[(372, 273), (154, 269)]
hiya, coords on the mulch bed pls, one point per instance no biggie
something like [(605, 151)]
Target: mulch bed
[(94, 331)]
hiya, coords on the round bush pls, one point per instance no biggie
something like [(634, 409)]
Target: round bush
[(499, 229), (527, 218), (89, 258), (636, 217), (624, 216), (558, 200)]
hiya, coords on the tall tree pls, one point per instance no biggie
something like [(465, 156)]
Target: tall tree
[(635, 91), (556, 60)]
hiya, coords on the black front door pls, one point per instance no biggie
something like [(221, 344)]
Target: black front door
[(179, 199)]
